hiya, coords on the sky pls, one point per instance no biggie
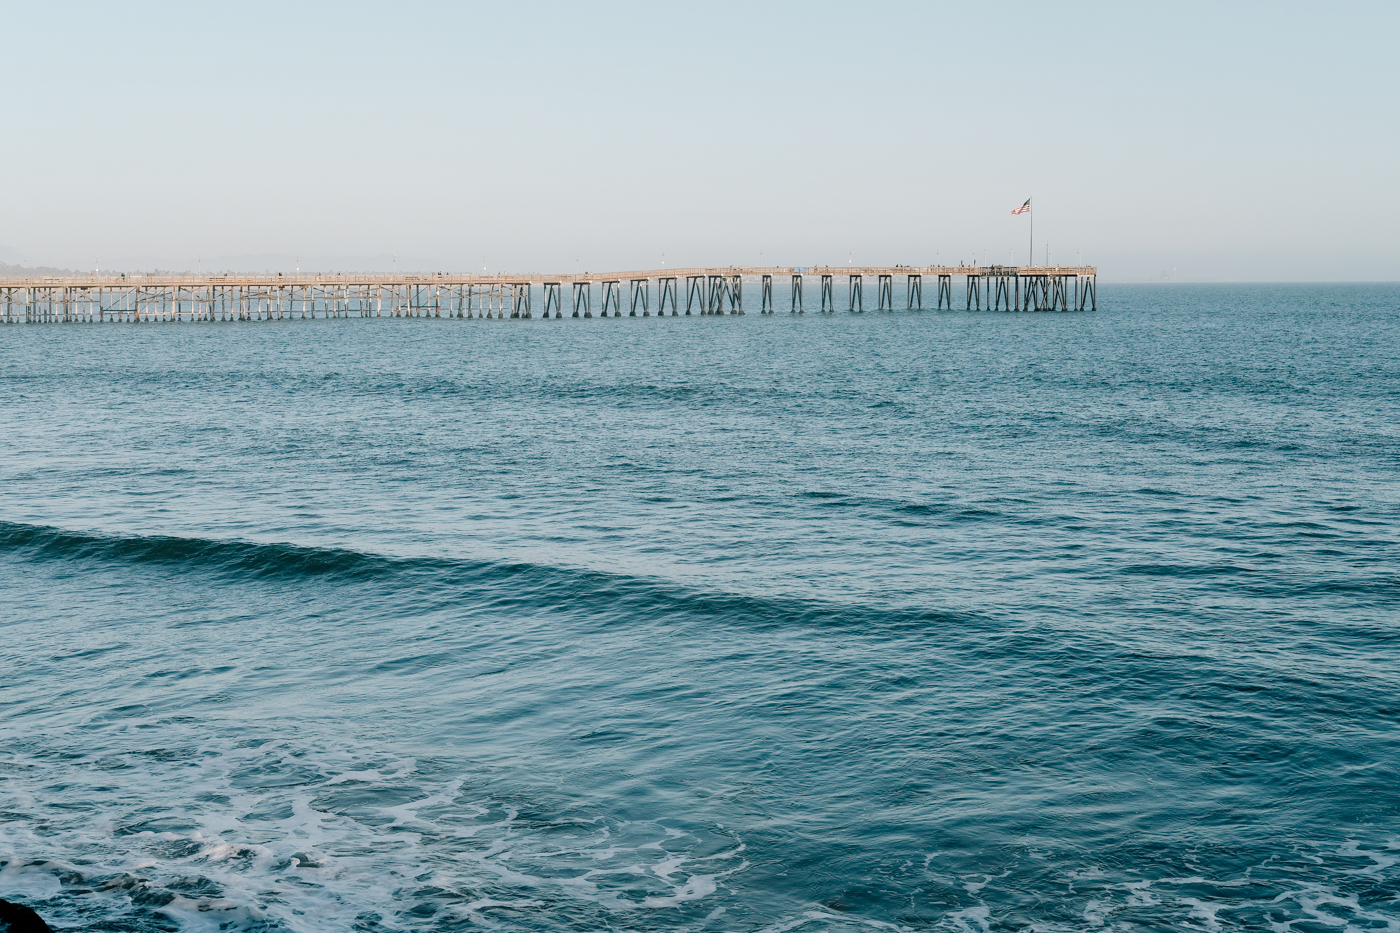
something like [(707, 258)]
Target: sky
[(1195, 142)]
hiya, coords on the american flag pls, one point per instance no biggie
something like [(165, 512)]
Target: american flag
[(1023, 208)]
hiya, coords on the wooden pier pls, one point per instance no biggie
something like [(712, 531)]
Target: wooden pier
[(140, 298)]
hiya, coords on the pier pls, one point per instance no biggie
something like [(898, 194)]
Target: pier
[(640, 293)]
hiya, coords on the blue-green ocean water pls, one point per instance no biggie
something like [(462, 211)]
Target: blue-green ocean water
[(915, 621)]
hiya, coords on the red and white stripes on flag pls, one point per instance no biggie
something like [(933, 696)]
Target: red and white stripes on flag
[(1023, 208)]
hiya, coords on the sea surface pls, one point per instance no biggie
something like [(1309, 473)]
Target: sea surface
[(935, 620)]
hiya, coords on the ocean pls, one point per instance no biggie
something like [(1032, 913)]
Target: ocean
[(951, 620)]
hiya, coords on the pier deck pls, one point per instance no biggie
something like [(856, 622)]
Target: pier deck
[(134, 298)]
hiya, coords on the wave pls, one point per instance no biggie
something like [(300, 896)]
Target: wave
[(507, 585), (285, 560)]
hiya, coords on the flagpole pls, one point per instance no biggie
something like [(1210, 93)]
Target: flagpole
[(1030, 250)]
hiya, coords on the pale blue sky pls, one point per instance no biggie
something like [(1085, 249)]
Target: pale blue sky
[(1225, 141)]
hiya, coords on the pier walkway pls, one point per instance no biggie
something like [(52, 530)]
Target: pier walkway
[(135, 298)]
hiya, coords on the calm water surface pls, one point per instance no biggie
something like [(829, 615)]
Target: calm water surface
[(926, 620)]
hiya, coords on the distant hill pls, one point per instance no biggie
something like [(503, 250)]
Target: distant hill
[(12, 271)]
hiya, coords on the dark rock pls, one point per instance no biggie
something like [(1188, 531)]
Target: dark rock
[(16, 918)]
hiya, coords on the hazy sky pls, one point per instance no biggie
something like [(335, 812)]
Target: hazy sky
[(1224, 141)]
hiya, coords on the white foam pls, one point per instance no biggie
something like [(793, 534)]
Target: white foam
[(979, 915), (1382, 862), (1096, 913), (1204, 912), (975, 887), (408, 812), (1139, 895), (692, 889), (374, 775), (28, 882), (344, 838), (283, 836), (823, 917)]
